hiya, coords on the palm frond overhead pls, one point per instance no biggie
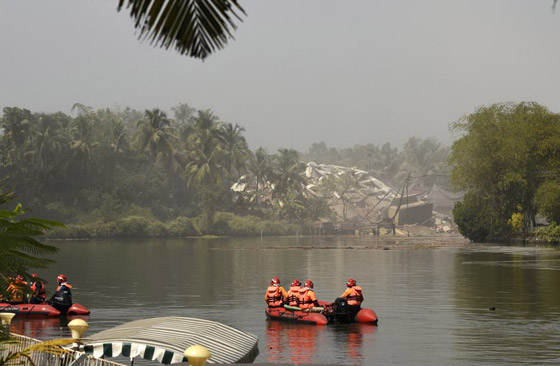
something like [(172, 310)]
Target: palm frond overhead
[(195, 28)]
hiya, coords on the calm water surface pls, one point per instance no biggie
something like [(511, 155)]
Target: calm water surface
[(433, 304)]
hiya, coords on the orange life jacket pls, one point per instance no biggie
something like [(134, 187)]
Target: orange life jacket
[(65, 284), (16, 290), (355, 298), (293, 295), (304, 299), (41, 293), (274, 297)]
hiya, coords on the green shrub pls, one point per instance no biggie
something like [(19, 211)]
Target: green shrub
[(157, 229), (550, 233), (547, 200), (181, 226), (471, 219)]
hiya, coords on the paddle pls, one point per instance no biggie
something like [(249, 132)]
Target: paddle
[(292, 308)]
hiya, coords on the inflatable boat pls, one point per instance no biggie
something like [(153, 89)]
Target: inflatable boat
[(41, 310), (336, 312)]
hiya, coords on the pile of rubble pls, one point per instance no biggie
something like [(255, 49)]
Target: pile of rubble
[(358, 198)]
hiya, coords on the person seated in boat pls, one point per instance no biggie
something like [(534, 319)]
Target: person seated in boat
[(275, 295), (292, 296), (16, 290), (307, 300), (38, 293), (353, 296), (61, 300)]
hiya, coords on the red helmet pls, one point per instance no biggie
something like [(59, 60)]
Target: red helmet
[(275, 281), (309, 283), (61, 278), (19, 278), (34, 275), (296, 283), (351, 282)]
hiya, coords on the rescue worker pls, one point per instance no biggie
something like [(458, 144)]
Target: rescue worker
[(353, 296), (38, 293), (275, 295), (292, 297), (62, 297), (16, 290), (307, 300)]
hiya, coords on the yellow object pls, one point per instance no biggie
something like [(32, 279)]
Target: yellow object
[(6, 318), (197, 355), (78, 328)]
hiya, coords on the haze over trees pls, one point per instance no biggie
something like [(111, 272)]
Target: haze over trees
[(123, 172)]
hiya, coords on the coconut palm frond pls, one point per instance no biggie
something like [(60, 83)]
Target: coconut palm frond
[(195, 28), (52, 347)]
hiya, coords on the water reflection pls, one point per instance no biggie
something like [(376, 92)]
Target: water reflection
[(40, 328), (300, 343), (291, 342), (44, 328)]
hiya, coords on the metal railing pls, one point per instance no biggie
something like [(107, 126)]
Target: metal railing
[(68, 358)]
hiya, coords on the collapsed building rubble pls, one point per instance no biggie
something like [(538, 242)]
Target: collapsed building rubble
[(360, 201)]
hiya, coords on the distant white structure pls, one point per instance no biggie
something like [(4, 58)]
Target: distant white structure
[(368, 185)]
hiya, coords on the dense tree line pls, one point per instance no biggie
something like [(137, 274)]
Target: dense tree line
[(123, 170), (508, 162), (109, 164)]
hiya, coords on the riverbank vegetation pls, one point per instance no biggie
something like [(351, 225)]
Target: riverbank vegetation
[(125, 173), (507, 160)]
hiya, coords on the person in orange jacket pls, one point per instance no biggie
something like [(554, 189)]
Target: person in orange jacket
[(307, 299), (38, 292), (353, 296), (16, 290), (292, 297), (275, 295)]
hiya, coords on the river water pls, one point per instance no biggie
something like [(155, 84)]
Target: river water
[(435, 305)]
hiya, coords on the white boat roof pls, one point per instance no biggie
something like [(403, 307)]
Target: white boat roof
[(165, 339)]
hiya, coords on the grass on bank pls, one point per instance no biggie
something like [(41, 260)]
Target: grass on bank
[(224, 224)]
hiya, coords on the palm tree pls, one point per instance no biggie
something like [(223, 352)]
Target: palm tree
[(194, 28), (49, 141), (260, 169), (15, 124), (118, 137), (82, 138), (156, 136), (183, 113), (289, 172), (204, 151), (235, 148)]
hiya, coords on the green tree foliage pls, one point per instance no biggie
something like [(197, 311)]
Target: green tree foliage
[(547, 200), (505, 153), (472, 216), (550, 233), (19, 248)]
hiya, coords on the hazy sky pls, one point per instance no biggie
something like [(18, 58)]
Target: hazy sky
[(343, 72)]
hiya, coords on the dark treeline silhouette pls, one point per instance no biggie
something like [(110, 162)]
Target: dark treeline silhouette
[(144, 170)]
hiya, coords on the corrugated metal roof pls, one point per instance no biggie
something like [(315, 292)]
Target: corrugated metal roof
[(165, 339)]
